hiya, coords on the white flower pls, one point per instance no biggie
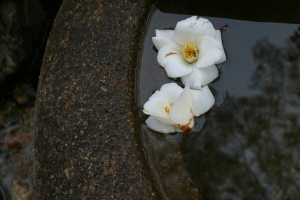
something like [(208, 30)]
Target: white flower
[(172, 109), (190, 51)]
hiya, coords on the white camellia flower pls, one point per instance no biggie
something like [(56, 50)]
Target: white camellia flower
[(172, 109), (190, 51)]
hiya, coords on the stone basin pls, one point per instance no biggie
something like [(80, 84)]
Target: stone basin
[(87, 141)]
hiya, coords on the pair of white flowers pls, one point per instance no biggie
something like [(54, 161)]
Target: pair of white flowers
[(189, 52)]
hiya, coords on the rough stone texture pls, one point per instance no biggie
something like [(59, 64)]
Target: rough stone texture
[(85, 144)]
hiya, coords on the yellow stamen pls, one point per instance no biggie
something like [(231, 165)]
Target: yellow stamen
[(190, 52)]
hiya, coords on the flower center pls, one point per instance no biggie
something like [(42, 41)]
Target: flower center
[(190, 52)]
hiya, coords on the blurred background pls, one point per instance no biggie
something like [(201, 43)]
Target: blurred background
[(24, 29)]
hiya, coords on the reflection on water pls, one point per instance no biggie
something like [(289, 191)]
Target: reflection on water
[(248, 145)]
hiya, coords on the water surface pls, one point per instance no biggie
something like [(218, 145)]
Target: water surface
[(248, 145)]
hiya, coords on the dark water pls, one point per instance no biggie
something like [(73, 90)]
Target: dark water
[(248, 145)]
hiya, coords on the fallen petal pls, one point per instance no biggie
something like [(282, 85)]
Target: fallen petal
[(181, 112), (210, 51), (158, 107), (163, 37), (190, 29), (203, 100), (200, 76), (158, 126), (219, 38), (169, 91)]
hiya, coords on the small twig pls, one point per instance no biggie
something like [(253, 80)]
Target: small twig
[(223, 28)]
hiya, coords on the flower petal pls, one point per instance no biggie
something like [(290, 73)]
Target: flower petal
[(200, 76), (158, 107), (222, 59), (203, 100), (163, 37), (169, 91), (169, 57), (164, 120), (181, 112), (190, 29), (157, 94), (158, 126), (210, 51), (219, 38)]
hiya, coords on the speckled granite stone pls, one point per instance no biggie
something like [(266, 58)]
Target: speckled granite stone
[(85, 144)]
